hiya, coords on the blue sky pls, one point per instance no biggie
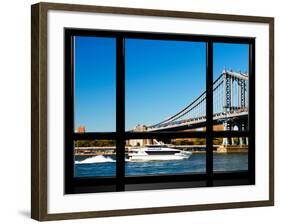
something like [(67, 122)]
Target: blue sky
[(230, 56), (95, 81), (162, 77)]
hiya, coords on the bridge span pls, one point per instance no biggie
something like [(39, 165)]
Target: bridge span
[(230, 107)]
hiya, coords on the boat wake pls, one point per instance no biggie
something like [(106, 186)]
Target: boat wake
[(96, 159)]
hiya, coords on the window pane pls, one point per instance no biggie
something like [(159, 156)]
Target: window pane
[(230, 96), (165, 156), (230, 154), (165, 85), (95, 158), (94, 84)]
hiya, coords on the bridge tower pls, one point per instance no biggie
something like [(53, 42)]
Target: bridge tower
[(227, 82), (234, 98), (242, 89), (235, 89)]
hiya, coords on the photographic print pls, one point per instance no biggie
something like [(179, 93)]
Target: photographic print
[(139, 111)]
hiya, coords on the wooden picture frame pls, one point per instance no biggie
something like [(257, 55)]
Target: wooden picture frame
[(39, 110)]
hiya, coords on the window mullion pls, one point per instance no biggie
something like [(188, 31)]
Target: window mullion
[(209, 112), (120, 112), (69, 107), (251, 121)]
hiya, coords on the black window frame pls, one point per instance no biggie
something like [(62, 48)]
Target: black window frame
[(126, 183)]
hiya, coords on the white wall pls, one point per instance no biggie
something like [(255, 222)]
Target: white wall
[(15, 111)]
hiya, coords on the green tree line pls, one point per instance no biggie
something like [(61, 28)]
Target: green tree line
[(95, 143)]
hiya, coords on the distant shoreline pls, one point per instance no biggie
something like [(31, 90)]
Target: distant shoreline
[(113, 154)]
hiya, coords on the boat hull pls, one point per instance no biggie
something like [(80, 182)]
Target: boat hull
[(141, 158)]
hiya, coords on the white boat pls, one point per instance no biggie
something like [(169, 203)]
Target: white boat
[(156, 153)]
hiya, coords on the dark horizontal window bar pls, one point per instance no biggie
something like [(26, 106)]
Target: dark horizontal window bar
[(136, 135), (87, 185), (92, 189), (86, 181), (160, 178), (142, 135), (165, 178), (187, 37), (158, 186), (231, 175), (167, 185), (159, 36)]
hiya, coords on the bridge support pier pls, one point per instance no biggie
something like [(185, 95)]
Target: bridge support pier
[(233, 145), (227, 127), (231, 125), (244, 140), (241, 139)]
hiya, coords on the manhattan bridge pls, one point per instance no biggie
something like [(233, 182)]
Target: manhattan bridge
[(230, 107)]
